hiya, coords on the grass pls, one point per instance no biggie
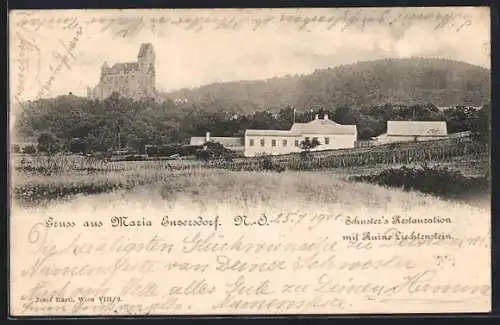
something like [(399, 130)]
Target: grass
[(204, 185), (227, 194), (437, 180), (183, 194), (33, 189), (39, 181), (210, 193)]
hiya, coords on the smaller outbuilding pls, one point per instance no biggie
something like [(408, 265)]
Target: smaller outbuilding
[(233, 143), (412, 131)]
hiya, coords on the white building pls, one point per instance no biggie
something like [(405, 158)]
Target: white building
[(329, 134), (407, 131), (232, 143)]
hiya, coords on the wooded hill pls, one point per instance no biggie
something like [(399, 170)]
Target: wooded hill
[(366, 94), (398, 81)]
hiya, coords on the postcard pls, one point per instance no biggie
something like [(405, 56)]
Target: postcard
[(249, 161)]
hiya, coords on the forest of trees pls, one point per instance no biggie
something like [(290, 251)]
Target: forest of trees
[(79, 124), (366, 94), (406, 81)]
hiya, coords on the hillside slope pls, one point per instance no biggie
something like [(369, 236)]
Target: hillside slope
[(398, 81)]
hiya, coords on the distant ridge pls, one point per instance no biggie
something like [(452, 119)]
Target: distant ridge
[(407, 81)]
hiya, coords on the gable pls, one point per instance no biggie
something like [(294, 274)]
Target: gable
[(323, 127)]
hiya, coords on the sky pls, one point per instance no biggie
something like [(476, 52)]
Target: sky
[(57, 52)]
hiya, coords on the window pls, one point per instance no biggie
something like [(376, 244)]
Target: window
[(251, 142), (262, 142), (327, 140), (307, 138), (296, 143), (315, 139), (284, 143), (273, 143)]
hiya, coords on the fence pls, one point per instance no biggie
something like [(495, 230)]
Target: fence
[(431, 151), (405, 153), (365, 143), (54, 164)]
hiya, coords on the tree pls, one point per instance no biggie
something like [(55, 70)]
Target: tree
[(365, 133), (459, 118), (481, 125), (341, 114), (78, 145), (48, 143), (149, 123), (204, 154), (308, 144), (16, 148), (29, 149)]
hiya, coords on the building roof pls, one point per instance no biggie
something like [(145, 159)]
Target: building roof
[(324, 126), (317, 126), (124, 67), (416, 128), (280, 133), (225, 141)]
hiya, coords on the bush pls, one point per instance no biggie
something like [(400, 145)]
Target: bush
[(134, 158), (29, 149), (48, 143), (77, 145), (438, 181), (212, 150), (166, 151), (16, 148), (266, 162), (204, 154)]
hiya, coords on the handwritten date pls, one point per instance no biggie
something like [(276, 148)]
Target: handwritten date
[(264, 220)]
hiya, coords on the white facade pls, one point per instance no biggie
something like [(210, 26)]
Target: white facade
[(330, 135), (411, 131), (274, 142), (232, 143)]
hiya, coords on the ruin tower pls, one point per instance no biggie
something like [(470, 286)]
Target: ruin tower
[(146, 61), (129, 79), (104, 69)]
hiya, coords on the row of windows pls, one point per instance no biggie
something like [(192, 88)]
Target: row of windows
[(284, 142)]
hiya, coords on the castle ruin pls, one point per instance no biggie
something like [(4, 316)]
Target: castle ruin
[(134, 80)]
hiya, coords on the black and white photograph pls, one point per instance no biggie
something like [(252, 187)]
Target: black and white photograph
[(249, 161)]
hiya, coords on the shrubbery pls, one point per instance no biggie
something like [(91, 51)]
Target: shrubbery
[(165, 151), (213, 150), (29, 149), (439, 181), (266, 162), (134, 158), (36, 193)]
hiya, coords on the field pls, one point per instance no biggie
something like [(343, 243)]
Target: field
[(39, 181), (227, 194), (303, 207), (197, 183)]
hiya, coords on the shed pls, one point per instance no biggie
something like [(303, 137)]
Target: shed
[(405, 131)]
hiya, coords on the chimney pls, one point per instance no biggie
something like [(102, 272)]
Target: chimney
[(325, 117), (316, 117), (207, 137)]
